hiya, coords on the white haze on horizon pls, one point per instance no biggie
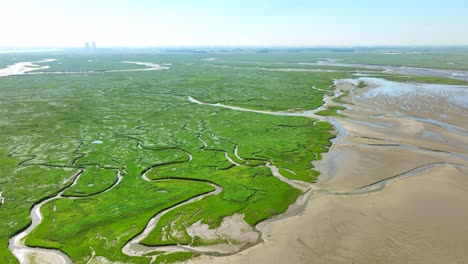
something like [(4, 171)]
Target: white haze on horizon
[(54, 23)]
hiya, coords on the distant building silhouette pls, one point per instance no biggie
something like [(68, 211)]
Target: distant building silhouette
[(86, 45), (93, 45)]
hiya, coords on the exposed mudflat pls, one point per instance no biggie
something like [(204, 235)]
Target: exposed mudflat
[(393, 189), (33, 68), (24, 67), (445, 73), (416, 220)]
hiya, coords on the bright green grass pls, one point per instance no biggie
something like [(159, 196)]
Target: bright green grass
[(48, 124), (108, 220), (252, 192), (53, 120), (23, 187), (93, 181)]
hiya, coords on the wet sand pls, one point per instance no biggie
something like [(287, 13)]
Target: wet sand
[(418, 156), (394, 187), (445, 73), (397, 225)]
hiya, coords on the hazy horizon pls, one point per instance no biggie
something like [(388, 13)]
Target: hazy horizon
[(209, 23)]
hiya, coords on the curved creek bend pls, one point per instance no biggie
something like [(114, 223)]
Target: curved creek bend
[(328, 166), (376, 140), (378, 146), (23, 252)]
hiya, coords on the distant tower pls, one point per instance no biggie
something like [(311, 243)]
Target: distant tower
[(93, 45), (86, 45)]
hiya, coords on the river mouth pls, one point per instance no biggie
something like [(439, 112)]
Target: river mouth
[(391, 175)]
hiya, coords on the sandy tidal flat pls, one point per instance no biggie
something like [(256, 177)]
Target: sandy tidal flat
[(417, 155)]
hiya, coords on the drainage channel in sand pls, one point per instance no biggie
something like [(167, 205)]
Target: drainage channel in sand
[(428, 159), (135, 248), (378, 184)]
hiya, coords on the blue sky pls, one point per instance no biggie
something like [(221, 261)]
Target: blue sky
[(240, 22)]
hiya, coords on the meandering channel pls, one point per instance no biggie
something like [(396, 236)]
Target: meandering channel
[(16, 243), (310, 191), (348, 139), (135, 248)]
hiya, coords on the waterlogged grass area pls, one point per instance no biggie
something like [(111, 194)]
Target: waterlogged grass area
[(122, 147)]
